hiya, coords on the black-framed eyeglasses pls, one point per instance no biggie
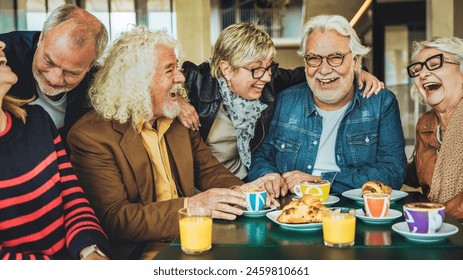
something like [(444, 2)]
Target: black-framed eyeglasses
[(259, 72), (333, 59), (432, 63)]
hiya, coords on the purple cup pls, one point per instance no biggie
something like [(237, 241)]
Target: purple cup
[(424, 217)]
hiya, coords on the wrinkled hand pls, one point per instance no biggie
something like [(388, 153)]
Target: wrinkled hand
[(370, 84), (275, 186), (220, 201), (188, 115), (265, 182), (295, 177)]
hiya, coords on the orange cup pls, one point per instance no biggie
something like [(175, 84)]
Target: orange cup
[(376, 205)]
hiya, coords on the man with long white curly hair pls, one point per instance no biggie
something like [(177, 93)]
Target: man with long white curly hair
[(137, 163)]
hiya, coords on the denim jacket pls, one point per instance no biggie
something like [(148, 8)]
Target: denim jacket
[(370, 143)]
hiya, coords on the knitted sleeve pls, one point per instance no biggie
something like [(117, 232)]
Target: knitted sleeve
[(81, 225), (10, 254)]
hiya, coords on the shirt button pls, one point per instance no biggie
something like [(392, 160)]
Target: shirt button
[(367, 140), (315, 142), (309, 166), (283, 146)]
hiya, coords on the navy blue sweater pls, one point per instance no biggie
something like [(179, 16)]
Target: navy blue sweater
[(43, 211)]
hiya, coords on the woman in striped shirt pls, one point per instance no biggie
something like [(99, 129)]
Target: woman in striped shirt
[(43, 211)]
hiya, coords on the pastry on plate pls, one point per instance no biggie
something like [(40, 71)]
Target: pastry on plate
[(376, 187), (307, 209)]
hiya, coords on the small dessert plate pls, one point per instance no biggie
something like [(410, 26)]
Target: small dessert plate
[(356, 195), (391, 215), (445, 231), (260, 213)]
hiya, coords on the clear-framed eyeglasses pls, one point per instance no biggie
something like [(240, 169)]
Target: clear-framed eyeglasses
[(259, 72), (333, 59), (431, 63)]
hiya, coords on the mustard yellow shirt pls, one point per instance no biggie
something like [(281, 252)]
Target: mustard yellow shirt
[(155, 145)]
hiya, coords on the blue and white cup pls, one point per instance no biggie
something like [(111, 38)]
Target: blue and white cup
[(255, 199)]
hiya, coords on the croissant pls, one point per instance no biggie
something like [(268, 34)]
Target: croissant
[(304, 210), (307, 199), (376, 187)]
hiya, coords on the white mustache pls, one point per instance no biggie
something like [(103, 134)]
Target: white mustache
[(174, 91)]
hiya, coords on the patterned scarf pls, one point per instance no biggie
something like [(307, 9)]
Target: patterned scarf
[(447, 180), (244, 115)]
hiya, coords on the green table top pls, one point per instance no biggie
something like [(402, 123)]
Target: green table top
[(260, 238)]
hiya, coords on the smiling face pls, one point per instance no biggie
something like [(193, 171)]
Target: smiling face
[(241, 81), (58, 65), (7, 77), (332, 86), (441, 88), (166, 83)]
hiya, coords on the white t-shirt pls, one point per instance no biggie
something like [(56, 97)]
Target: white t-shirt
[(326, 161), (55, 109)]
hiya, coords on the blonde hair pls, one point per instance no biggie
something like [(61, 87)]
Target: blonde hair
[(338, 24), (14, 105), (120, 90), (240, 44)]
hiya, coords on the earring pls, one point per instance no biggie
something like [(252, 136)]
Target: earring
[(229, 83)]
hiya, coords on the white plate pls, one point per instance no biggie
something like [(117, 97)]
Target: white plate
[(330, 201), (260, 213), (356, 194), (446, 230), (391, 215), (297, 227)]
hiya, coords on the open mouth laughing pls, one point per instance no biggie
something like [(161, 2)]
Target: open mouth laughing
[(327, 82), (431, 86)]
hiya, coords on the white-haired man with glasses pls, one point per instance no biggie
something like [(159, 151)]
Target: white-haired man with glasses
[(324, 128)]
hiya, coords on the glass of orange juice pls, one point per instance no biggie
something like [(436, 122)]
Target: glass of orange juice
[(338, 225), (195, 229)]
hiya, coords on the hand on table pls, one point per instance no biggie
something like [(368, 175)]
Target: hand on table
[(268, 183), (275, 185), (220, 201), (293, 178)]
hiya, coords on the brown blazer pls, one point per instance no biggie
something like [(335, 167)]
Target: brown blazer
[(115, 171)]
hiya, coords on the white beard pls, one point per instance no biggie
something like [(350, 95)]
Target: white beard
[(333, 96)]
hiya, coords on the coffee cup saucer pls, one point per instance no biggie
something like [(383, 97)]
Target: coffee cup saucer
[(260, 213), (391, 215), (445, 231), (330, 201)]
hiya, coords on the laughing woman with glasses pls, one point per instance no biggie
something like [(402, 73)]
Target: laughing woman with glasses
[(234, 94), (437, 165)]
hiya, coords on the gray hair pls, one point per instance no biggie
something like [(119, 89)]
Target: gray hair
[(120, 90), (240, 44), (340, 25), (451, 45), (87, 26)]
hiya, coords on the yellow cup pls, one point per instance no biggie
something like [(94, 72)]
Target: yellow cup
[(338, 225), (320, 189), (195, 230)]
